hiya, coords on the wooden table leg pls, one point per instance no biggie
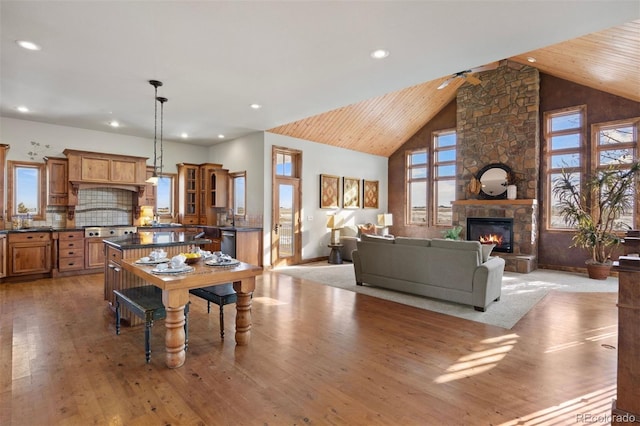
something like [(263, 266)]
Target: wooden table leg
[(244, 289), (174, 302)]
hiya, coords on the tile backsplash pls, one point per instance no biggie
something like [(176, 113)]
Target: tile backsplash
[(104, 207)]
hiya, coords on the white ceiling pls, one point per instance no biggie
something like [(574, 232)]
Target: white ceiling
[(296, 58)]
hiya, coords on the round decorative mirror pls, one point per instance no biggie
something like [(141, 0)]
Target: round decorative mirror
[(493, 180)]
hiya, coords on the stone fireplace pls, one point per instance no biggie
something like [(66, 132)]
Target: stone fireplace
[(498, 122)]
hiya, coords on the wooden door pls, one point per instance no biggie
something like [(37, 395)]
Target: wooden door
[(286, 221)]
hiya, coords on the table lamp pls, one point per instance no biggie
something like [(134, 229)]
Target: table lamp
[(384, 221), (335, 222), (146, 215)]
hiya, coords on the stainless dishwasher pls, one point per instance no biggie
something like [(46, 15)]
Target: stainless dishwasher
[(228, 243)]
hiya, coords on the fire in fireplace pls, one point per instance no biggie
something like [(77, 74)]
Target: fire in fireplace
[(490, 230)]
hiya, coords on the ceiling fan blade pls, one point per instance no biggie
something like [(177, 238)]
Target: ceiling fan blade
[(446, 82), (473, 79)]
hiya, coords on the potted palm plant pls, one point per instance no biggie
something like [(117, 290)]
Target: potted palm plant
[(595, 211)]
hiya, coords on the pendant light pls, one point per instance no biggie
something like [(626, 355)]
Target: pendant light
[(162, 101), (154, 177)]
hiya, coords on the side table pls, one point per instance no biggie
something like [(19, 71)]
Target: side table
[(334, 256)]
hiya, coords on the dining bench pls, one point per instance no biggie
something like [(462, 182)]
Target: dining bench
[(146, 303), (221, 295)]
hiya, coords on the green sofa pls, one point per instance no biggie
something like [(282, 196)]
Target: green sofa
[(456, 271)]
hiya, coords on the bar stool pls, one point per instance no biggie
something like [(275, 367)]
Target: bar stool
[(220, 295), (146, 303)]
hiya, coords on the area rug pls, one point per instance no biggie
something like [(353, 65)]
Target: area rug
[(520, 292)]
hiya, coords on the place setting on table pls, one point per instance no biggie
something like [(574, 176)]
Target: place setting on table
[(182, 262)]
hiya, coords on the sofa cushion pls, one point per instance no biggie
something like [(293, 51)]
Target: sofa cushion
[(420, 242), (378, 239), (459, 245)]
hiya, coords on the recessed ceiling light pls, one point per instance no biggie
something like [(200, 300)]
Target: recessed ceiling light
[(22, 108), (379, 54), (29, 45), (184, 135), (531, 59), (114, 123), (220, 136), (255, 106)]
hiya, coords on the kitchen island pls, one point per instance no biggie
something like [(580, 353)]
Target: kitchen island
[(135, 246)]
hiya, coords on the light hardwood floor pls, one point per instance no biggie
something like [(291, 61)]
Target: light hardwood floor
[(318, 355)]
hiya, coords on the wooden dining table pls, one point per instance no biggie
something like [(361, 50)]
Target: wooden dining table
[(175, 295)]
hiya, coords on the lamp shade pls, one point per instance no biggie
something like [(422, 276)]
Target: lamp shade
[(385, 219), (335, 221), (331, 220)]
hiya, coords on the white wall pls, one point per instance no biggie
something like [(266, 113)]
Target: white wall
[(320, 159), (244, 154), (19, 134)]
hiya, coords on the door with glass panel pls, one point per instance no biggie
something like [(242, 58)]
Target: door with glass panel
[(285, 231)]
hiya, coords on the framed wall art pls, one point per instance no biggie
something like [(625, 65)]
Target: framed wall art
[(329, 192), (370, 194), (350, 193)]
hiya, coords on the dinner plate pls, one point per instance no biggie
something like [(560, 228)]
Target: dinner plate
[(153, 262), (185, 268), (224, 262)]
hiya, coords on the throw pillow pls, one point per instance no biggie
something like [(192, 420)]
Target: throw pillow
[(486, 251), (368, 229)]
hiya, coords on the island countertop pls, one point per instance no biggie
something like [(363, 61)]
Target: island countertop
[(155, 239)]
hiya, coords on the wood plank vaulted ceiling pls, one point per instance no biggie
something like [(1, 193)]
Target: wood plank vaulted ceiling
[(608, 60)]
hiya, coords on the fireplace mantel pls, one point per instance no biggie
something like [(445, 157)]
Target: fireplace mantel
[(527, 202)]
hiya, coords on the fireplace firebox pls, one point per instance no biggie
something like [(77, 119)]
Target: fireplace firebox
[(498, 231)]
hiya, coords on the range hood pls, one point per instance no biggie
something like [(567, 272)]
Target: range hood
[(95, 169), (101, 170)]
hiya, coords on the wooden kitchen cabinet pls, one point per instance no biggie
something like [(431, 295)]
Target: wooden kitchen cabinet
[(218, 184), (57, 181), (3, 255), (189, 193), (112, 274), (29, 253), (3, 156), (96, 167), (93, 253), (213, 191), (249, 247), (201, 189), (150, 191), (70, 251)]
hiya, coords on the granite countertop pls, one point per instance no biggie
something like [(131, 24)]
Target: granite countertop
[(155, 239), (39, 229), (237, 228)]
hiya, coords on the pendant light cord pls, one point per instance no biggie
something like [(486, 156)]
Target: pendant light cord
[(155, 130), (162, 101)]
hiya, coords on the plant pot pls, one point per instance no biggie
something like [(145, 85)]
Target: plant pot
[(598, 271)]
